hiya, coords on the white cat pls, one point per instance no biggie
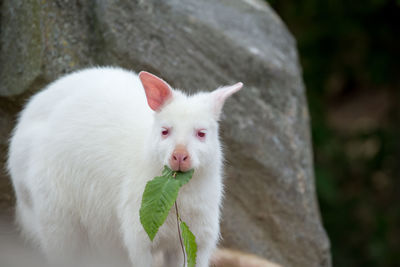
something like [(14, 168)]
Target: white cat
[(84, 149)]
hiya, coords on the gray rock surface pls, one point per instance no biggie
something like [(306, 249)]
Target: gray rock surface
[(270, 205)]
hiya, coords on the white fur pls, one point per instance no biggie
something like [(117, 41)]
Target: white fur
[(81, 154)]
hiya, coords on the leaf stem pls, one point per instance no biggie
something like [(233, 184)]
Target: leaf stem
[(178, 218)]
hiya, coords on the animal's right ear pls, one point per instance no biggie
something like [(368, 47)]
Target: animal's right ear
[(158, 92)]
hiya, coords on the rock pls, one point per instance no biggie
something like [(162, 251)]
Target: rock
[(270, 205)]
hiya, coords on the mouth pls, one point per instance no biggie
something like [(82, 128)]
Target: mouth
[(180, 168), (180, 165)]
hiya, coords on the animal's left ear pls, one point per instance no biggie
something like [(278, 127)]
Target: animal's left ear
[(221, 94)]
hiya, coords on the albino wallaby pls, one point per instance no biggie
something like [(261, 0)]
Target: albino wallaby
[(84, 149)]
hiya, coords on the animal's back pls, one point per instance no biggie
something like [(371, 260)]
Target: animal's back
[(73, 144)]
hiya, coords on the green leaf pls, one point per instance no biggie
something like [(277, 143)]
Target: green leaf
[(189, 240), (167, 172), (184, 177), (158, 197)]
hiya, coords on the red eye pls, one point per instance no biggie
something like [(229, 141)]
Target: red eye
[(201, 134), (165, 132)]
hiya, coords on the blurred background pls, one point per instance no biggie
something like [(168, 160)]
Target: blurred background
[(350, 56)]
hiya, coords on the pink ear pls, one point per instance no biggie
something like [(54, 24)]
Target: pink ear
[(157, 90), (221, 94)]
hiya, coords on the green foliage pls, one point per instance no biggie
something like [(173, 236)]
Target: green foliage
[(158, 197), (350, 54), (189, 241)]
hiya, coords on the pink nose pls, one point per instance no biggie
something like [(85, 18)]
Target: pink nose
[(180, 159)]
